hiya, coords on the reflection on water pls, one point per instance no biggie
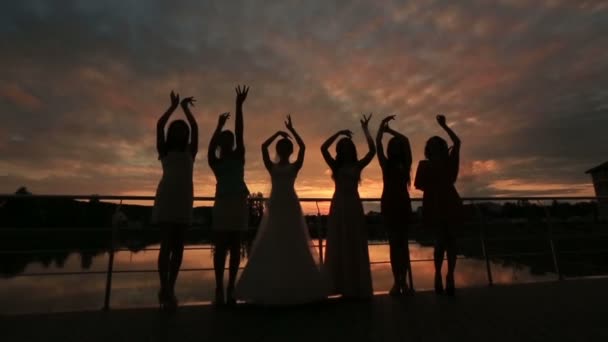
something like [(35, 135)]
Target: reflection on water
[(23, 294)]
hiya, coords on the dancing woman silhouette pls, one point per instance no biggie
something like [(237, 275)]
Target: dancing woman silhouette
[(174, 195), (282, 268), (347, 255), (395, 203), (441, 204), (230, 210)]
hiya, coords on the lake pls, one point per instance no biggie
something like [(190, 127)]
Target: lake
[(56, 293)]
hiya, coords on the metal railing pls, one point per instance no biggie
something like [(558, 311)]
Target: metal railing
[(475, 202)]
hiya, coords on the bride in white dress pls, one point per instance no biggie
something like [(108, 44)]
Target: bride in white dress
[(283, 266)]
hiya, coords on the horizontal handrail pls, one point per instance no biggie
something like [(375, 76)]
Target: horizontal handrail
[(302, 199)]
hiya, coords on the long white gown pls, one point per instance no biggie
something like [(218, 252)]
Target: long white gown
[(283, 266)]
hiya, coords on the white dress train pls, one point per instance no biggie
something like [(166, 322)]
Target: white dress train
[(283, 266)]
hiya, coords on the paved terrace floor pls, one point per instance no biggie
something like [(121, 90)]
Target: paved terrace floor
[(573, 310)]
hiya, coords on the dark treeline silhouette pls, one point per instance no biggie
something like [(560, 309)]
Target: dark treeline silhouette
[(51, 218)]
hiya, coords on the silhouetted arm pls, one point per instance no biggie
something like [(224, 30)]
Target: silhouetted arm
[(370, 143), (241, 95), (381, 130), (325, 147), (421, 175), (161, 146), (301, 146), (265, 155), (189, 101), (211, 156), (454, 151)]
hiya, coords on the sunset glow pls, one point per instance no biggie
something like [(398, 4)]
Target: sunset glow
[(524, 84)]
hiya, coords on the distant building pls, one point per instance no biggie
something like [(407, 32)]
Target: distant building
[(599, 175)]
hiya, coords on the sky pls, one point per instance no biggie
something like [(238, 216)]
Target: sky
[(523, 83)]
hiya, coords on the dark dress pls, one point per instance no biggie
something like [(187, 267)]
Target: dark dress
[(441, 204), (395, 203), (346, 254)]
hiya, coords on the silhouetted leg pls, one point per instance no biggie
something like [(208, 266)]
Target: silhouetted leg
[(219, 263), (396, 252), (451, 254), (438, 258), (163, 264), (177, 253), (235, 261), (406, 266)]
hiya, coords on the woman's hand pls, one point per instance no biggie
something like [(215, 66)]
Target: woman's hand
[(385, 121), (441, 120), (222, 119), (188, 101), (241, 94), (288, 123), (365, 121), (174, 99), (346, 132)]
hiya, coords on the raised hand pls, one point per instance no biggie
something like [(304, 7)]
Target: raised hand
[(222, 119), (441, 120), (365, 121), (346, 132), (188, 101), (385, 121), (283, 134), (174, 99), (288, 123), (241, 94)]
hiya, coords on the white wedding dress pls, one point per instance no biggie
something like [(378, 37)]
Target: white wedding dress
[(283, 266)]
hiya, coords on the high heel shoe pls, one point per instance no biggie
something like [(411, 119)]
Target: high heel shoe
[(230, 300), (162, 300), (395, 291)]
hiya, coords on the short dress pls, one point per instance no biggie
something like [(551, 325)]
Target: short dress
[(230, 209), (175, 194), (442, 207), (395, 204)]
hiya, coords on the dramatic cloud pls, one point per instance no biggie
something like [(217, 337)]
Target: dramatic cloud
[(525, 84)]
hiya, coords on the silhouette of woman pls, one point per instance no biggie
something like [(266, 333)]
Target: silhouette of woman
[(347, 255), (395, 202), (230, 210), (441, 204), (174, 195), (282, 267)]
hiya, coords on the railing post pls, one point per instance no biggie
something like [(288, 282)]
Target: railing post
[(482, 238), (554, 252), (319, 236), (114, 232)]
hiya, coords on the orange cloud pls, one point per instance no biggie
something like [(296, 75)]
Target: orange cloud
[(20, 97)]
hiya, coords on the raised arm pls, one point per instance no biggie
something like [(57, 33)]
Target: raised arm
[(211, 156), (370, 142), (442, 122), (301, 147), (265, 155), (186, 103), (161, 145), (454, 151), (241, 95), (325, 147), (381, 130)]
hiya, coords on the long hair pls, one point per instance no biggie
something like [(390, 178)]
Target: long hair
[(436, 149), (178, 135), (399, 155), (346, 153)]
